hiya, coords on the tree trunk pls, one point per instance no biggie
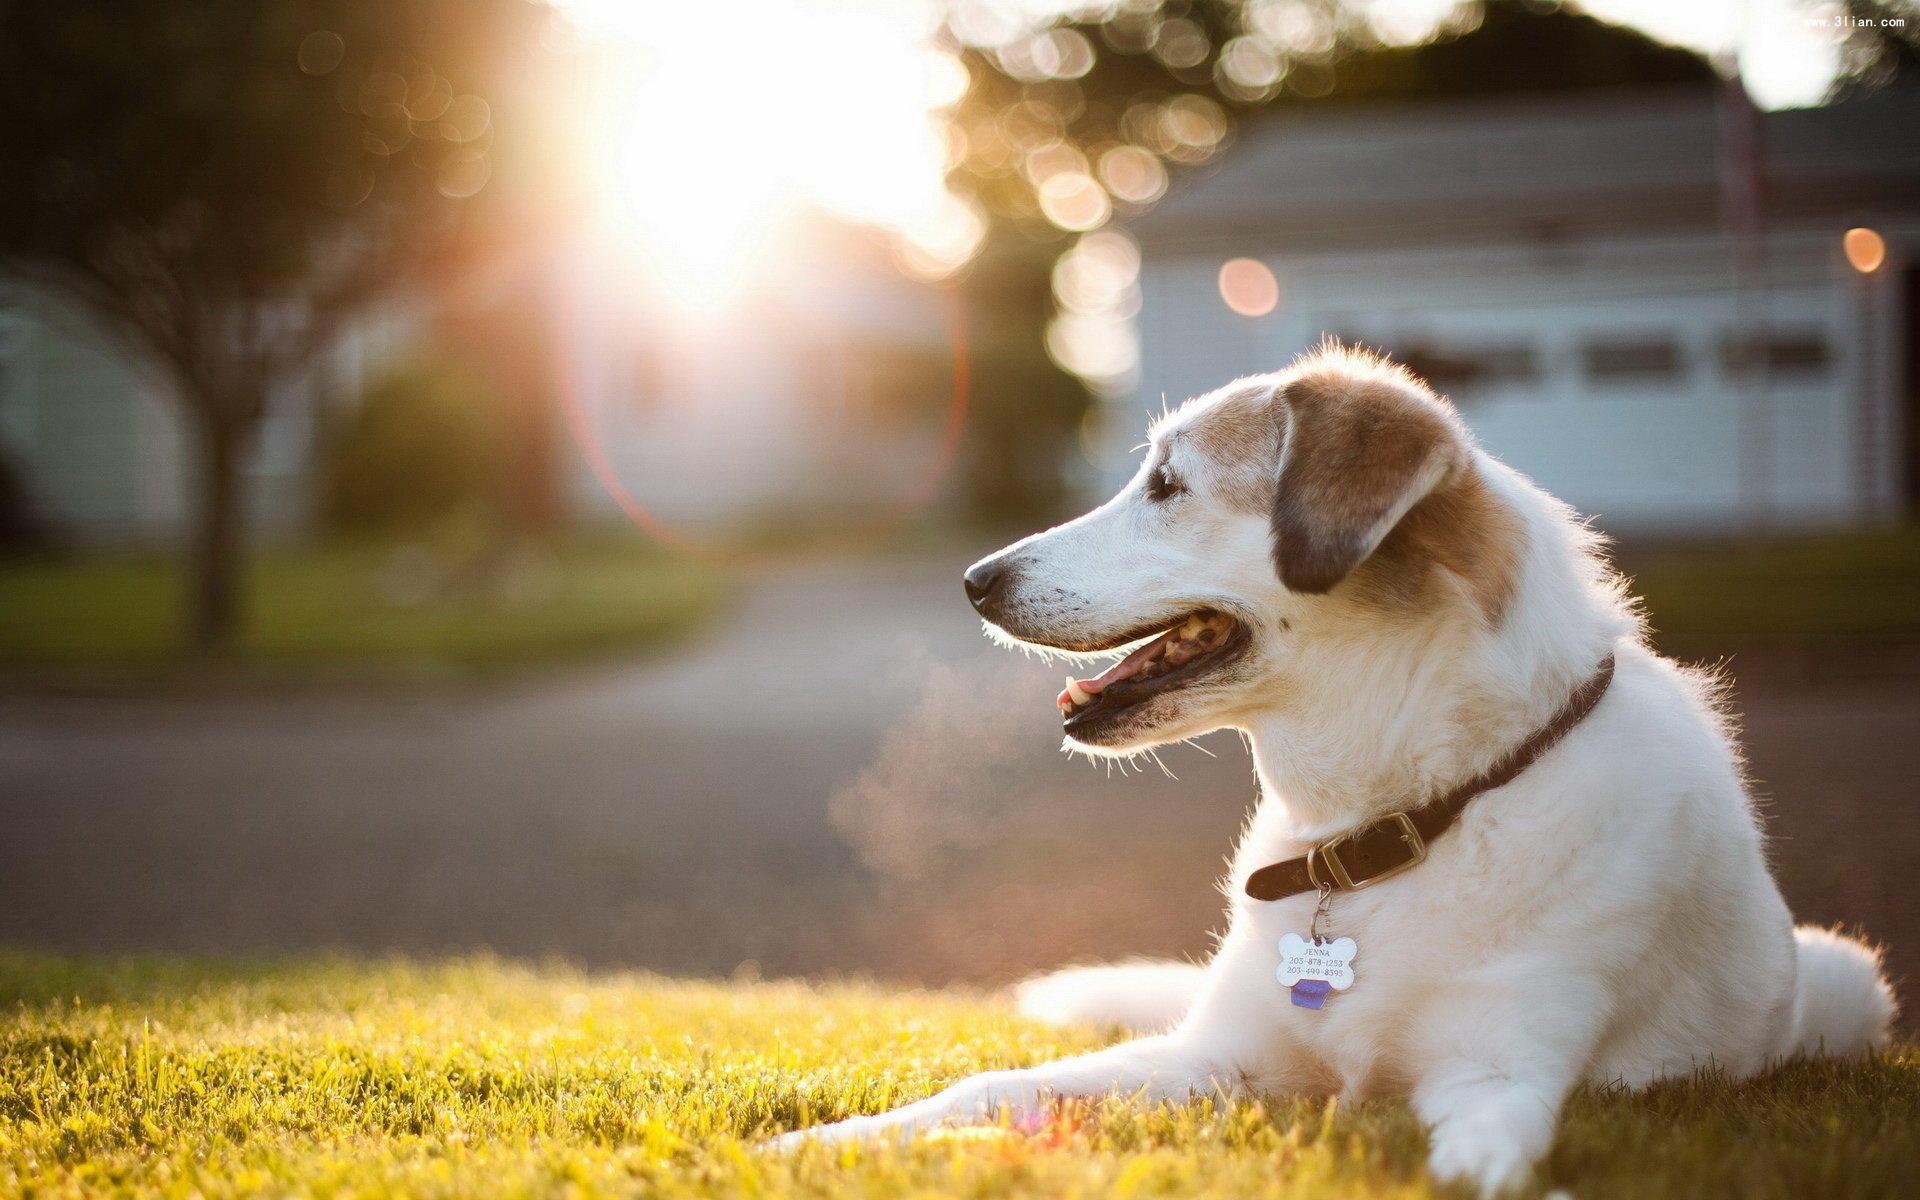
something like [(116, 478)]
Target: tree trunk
[(218, 561)]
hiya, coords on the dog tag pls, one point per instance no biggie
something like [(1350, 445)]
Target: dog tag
[(1313, 966)]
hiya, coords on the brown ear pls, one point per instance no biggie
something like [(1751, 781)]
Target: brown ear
[(1364, 442)]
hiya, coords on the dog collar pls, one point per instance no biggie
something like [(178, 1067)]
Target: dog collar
[(1397, 842)]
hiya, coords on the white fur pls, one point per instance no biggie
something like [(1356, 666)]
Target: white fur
[(1607, 917), (1144, 996)]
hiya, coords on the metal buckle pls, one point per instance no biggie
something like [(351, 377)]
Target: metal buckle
[(1329, 850)]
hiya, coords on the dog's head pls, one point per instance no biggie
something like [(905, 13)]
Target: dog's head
[(1334, 501)]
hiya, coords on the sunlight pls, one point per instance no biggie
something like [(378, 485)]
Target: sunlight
[(711, 134), (1788, 52), (709, 131)]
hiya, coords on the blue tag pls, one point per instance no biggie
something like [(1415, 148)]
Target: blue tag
[(1311, 993)]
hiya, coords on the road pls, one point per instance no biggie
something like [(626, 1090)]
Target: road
[(844, 778)]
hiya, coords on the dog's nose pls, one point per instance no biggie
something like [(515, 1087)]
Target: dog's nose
[(982, 579)]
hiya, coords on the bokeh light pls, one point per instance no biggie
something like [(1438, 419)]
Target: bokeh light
[(1181, 43), (1866, 250), (941, 245), (463, 119), (1249, 287), (1072, 200), (1054, 158), (1096, 290), (1190, 128), (1049, 54), (321, 52), (1133, 174), (1249, 69), (463, 175), (1409, 22)]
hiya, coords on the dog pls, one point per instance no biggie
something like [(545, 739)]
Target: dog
[(1551, 871)]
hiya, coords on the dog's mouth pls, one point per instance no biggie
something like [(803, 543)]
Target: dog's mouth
[(1183, 653)]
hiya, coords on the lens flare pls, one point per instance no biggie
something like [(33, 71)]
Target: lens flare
[(914, 500)]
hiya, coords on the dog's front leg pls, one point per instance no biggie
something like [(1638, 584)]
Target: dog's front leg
[(1495, 1068), (1154, 1068)]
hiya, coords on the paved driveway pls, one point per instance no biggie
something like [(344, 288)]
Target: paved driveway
[(845, 778)]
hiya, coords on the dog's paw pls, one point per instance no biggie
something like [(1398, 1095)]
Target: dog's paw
[(791, 1142), (1479, 1155), (853, 1129)]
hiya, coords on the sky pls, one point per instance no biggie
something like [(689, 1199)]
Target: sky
[(837, 105), (1788, 51)]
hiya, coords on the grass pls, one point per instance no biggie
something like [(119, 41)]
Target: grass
[(149, 1077), (1814, 590), (357, 610)]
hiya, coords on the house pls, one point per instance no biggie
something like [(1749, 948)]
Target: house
[(814, 396), (94, 449), (1644, 299)]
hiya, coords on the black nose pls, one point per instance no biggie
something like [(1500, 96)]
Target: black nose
[(982, 579)]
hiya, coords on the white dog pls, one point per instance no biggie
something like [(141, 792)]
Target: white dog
[(1556, 874)]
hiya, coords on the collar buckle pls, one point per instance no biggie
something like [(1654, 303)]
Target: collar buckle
[(1328, 852)]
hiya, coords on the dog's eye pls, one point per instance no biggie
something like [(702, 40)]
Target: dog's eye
[(1163, 484)]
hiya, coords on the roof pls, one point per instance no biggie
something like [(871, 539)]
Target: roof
[(1562, 163)]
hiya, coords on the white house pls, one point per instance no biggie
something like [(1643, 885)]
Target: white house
[(97, 447), (815, 394), (1652, 320)]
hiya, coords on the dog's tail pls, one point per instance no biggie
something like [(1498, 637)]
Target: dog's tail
[(1142, 995), (1842, 1004)]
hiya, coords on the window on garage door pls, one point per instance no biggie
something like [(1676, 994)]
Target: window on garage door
[(1460, 370), (1781, 353), (1463, 372), (1632, 360)]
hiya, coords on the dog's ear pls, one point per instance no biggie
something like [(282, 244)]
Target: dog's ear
[(1362, 443)]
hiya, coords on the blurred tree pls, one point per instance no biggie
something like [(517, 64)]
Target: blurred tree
[(1069, 126), (1122, 99), (23, 531), (424, 444), (1024, 410), (230, 183)]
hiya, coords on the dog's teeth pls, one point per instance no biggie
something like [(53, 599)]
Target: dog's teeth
[(1076, 693), (1193, 626), (1180, 652)]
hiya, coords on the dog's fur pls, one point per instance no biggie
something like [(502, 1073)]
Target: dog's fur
[(1417, 609)]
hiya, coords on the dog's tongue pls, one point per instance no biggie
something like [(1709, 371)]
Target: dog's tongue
[(1079, 691)]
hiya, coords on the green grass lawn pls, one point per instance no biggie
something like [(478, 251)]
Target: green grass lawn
[(479, 1077), (1815, 590), (357, 610)]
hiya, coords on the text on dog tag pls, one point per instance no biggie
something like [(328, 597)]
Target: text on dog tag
[(1327, 963)]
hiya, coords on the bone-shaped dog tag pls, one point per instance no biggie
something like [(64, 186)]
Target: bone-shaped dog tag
[(1311, 967)]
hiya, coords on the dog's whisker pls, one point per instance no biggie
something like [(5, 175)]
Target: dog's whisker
[(1194, 741), (1155, 756)]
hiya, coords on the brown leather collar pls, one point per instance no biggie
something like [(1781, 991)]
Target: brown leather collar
[(1398, 841)]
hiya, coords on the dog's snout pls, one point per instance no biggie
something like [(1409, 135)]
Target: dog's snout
[(983, 579)]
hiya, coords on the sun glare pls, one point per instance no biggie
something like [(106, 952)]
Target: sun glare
[(711, 132), (709, 129)]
